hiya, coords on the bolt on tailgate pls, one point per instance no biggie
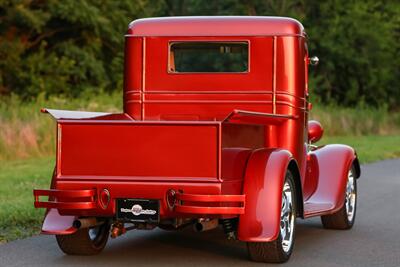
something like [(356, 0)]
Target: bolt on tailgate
[(102, 149)]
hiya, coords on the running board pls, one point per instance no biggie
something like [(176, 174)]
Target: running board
[(317, 209)]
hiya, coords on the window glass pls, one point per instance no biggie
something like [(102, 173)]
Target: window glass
[(209, 57)]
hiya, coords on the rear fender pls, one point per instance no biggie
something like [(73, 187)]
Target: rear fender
[(263, 183), (332, 165)]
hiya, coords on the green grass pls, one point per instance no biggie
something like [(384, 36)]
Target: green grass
[(18, 218), (369, 148), (27, 133), (27, 141), (356, 121)]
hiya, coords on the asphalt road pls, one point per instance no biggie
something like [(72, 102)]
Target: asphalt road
[(373, 241)]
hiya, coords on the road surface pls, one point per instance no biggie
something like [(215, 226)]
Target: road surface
[(374, 240)]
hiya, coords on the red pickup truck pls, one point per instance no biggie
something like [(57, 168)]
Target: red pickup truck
[(214, 131)]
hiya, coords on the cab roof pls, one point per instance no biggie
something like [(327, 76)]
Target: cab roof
[(216, 26)]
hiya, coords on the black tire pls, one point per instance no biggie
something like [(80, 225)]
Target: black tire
[(340, 220), (80, 242), (273, 252), (168, 227)]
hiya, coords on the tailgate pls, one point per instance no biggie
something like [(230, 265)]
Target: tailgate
[(105, 149)]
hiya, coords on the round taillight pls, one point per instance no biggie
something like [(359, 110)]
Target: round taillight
[(315, 131), (104, 198), (171, 199)]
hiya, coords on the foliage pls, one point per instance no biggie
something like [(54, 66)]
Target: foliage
[(67, 47), (63, 47), (26, 133), (358, 44)]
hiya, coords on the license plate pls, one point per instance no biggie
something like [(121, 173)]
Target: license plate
[(138, 210)]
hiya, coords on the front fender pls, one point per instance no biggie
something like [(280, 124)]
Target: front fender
[(332, 163), (263, 183)]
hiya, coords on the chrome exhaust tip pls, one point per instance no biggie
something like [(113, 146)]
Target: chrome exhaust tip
[(85, 223)]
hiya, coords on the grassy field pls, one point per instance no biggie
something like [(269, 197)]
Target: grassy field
[(26, 133), (18, 218), (27, 141), (369, 148)]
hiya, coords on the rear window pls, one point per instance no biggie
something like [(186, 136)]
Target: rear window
[(208, 57)]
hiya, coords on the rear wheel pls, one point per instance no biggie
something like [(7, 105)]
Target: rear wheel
[(86, 241), (279, 250), (345, 217)]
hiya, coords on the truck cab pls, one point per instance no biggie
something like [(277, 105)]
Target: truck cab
[(214, 130)]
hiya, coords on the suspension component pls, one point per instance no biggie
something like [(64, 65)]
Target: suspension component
[(117, 229), (229, 226)]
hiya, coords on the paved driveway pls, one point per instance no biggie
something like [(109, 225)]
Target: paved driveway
[(374, 240)]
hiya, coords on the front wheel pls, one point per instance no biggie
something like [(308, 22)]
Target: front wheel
[(86, 241), (279, 250), (345, 217)]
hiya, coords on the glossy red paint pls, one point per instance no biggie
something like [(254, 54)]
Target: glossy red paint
[(222, 142), (216, 26), (315, 131), (263, 183), (328, 195), (197, 204), (246, 117), (66, 199), (312, 175), (183, 150), (54, 223)]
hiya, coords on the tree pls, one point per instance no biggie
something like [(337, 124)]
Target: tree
[(66, 47)]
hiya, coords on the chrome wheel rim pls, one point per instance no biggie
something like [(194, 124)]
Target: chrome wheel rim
[(288, 217), (350, 201)]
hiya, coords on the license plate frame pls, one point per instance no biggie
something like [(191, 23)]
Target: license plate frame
[(138, 210)]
